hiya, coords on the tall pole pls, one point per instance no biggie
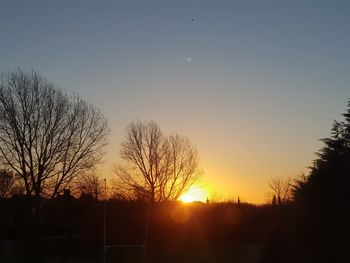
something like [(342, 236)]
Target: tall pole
[(104, 223), (146, 230)]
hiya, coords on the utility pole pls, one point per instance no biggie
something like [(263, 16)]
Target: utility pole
[(146, 230)]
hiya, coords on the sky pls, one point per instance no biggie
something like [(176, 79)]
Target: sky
[(253, 84)]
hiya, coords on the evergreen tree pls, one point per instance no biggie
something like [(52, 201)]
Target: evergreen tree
[(329, 177), (322, 199)]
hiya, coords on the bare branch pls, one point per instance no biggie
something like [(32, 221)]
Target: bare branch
[(156, 167), (47, 137), (281, 189)]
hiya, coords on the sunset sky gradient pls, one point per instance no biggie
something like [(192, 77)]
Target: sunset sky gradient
[(253, 84)]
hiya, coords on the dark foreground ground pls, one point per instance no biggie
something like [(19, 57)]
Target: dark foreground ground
[(71, 230), (63, 250)]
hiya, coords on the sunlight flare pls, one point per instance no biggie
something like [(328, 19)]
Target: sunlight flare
[(195, 193)]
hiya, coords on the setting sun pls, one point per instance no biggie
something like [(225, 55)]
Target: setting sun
[(195, 193)]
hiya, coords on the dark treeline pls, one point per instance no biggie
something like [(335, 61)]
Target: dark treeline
[(70, 228)]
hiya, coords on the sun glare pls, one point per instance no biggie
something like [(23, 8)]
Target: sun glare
[(195, 193)]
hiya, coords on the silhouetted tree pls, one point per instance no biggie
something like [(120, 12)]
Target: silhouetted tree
[(6, 183), (216, 197), (17, 187), (91, 184), (322, 199), (329, 177), (47, 137), (281, 189), (156, 167), (274, 200)]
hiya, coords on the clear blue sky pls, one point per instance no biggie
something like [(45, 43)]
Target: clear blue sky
[(254, 84)]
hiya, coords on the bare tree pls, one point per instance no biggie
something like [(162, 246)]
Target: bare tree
[(281, 189), (10, 184), (216, 197), (182, 170), (156, 167), (17, 187), (6, 183), (47, 137), (91, 184)]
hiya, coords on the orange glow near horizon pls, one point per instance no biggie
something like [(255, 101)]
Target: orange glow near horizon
[(195, 193)]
